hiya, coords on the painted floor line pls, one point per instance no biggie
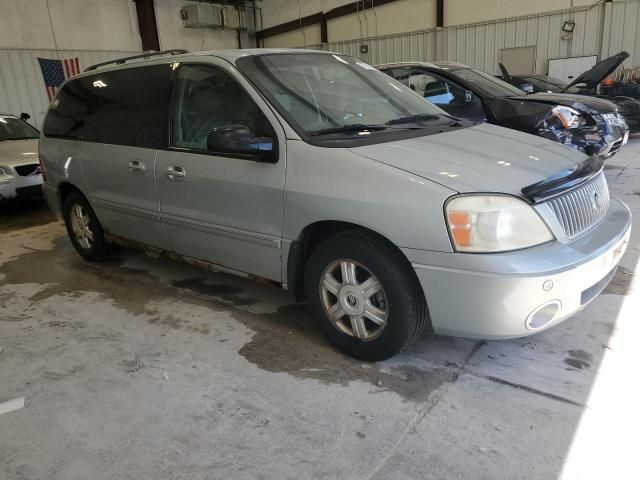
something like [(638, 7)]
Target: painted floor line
[(11, 405)]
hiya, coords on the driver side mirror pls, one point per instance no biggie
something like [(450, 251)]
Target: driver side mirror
[(24, 116), (238, 140)]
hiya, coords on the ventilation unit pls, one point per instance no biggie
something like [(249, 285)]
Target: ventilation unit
[(201, 15), (230, 17), (247, 19)]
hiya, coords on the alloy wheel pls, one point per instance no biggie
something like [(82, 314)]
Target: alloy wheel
[(80, 224), (354, 299)]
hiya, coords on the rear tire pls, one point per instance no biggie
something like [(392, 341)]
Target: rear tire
[(83, 227), (364, 295)]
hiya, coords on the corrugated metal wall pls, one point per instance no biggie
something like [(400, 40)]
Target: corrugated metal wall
[(479, 45), (601, 30), (21, 85), (622, 30)]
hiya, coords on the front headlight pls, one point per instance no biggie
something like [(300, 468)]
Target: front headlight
[(3, 171), (568, 117), (494, 223)]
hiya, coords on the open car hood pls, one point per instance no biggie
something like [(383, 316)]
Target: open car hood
[(482, 158), (505, 72), (599, 71)]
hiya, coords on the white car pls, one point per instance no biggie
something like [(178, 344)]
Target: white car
[(20, 174)]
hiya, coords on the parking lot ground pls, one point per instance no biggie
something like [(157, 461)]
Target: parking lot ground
[(146, 368)]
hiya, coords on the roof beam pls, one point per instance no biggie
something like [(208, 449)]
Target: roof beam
[(320, 18)]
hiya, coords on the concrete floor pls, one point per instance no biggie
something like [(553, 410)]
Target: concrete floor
[(141, 368)]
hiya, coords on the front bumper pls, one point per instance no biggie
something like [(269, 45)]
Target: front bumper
[(614, 144), (615, 134), (493, 295), (16, 186)]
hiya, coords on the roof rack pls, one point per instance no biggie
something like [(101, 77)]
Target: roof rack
[(120, 61)]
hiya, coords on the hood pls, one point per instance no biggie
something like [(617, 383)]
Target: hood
[(599, 71), (18, 152), (505, 72), (590, 104), (482, 158)]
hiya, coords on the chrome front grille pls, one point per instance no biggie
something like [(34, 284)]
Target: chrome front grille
[(581, 208), (614, 148)]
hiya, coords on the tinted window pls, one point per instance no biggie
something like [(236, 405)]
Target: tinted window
[(549, 84), (489, 84), (12, 128), (124, 107), (207, 97)]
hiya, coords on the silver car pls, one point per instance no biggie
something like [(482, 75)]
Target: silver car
[(321, 174), (19, 167)]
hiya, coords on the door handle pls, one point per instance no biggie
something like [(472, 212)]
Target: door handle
[(175, 173), (137, 167)]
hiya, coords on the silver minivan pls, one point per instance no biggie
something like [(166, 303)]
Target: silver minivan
[(318, 173)]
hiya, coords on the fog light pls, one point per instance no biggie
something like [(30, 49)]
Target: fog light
[(543, 315)]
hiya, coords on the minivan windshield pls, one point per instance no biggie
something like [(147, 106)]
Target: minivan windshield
[(334, 94), (12, 128), (487, 83)]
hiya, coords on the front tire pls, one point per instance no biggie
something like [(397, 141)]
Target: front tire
[(364, 295), (83, 227)]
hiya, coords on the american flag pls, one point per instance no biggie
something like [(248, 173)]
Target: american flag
[(55, 72)]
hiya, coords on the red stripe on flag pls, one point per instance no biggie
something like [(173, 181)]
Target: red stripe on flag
[(50, 93), (66, 68), (77, 63)]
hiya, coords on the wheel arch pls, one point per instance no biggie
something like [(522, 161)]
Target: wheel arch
[(64, 189), (309, 238)]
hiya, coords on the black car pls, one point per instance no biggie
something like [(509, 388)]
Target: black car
[(591, 125), (586, 84)]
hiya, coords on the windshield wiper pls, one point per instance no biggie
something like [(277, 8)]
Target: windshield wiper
[(413, 118), (354, 127)]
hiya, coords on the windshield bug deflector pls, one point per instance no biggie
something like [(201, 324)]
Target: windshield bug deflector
[(337, 101), (564, 180)]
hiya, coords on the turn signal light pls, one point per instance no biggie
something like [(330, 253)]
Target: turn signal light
[(460, 225)]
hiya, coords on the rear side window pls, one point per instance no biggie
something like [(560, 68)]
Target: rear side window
[(124, 107)]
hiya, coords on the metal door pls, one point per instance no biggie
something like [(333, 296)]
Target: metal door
[(220, 208)]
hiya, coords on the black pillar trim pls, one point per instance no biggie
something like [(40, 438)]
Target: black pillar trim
[(147, 25)]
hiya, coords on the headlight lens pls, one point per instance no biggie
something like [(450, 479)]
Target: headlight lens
[(3, 171), (568, 117), (494, 223)]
